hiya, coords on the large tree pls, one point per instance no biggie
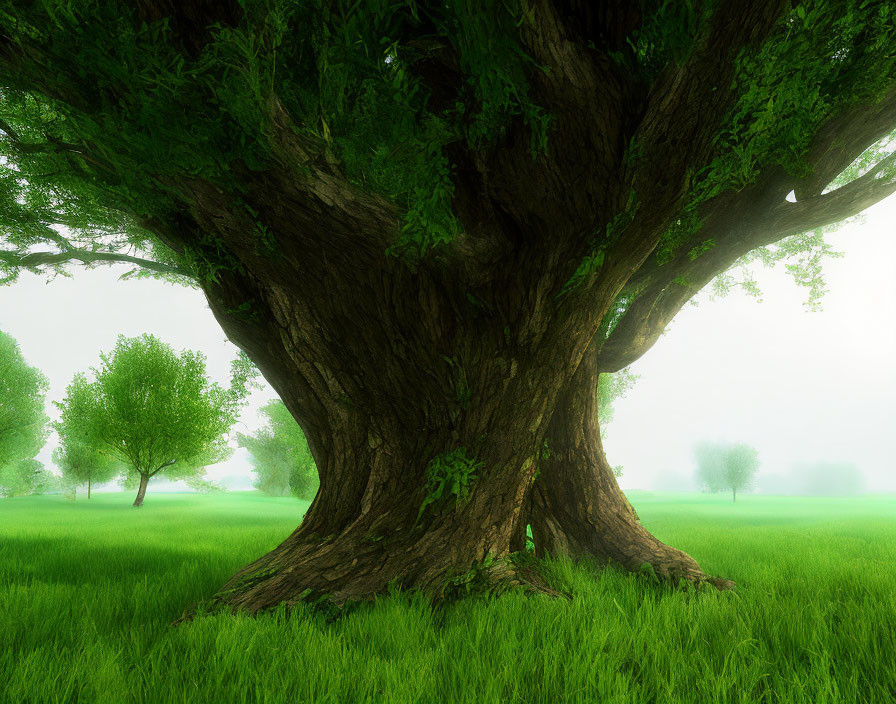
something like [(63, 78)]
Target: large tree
[(153, 409), (23, 422), (432, 225)]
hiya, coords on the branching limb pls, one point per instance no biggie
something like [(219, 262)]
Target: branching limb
[(857, 195), (673, 286), (38, 259)]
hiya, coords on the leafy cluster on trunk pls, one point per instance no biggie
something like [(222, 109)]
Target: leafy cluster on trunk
[(449, 479)]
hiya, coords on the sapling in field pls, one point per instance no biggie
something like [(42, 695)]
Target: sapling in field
[(723, 467), (154, 409)]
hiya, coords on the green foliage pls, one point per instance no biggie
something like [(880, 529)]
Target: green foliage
[(599, 242), (824, 58), (666, 35), (23, 428), (611, 387), (474, 581), (449, 474), (153, 409), (81, 462), (726, 467), (803, 256), (24, 478), (281, 458), (107, 112)]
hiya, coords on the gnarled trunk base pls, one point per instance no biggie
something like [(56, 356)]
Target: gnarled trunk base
[(577, 506), (342, 570)]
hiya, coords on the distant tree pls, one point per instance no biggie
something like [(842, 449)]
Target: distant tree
[(722, 467), (155, 410), (281, 459), (23, 423), (83, 463), (25, 477), (828, 478)]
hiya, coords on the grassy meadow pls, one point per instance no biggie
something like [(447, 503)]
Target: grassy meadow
[(88, 590)]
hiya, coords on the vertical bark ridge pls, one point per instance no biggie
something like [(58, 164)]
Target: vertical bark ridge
[(577, 506)]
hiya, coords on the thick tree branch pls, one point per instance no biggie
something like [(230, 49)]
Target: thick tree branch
[(674, 285), (843, 138), (730, 220), (52, 145), (820, 210), (36, 259)]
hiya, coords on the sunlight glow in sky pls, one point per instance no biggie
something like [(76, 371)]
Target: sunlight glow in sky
[(799, 386)]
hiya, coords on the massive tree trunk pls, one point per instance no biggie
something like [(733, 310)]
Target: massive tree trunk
[(375, 422), (141, 492), (577, 507)]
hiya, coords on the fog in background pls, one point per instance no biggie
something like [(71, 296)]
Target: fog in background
[(799, 386)]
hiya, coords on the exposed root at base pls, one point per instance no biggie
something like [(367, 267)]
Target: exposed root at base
[(491, 577)]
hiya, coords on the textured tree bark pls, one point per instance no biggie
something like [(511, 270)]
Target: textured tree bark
[(578, 508), (141, 492), (364, 530), (88, 489)]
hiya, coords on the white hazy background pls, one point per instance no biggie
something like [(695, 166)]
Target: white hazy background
[(799, 386)]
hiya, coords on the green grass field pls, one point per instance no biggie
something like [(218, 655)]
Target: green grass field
[(88, 590)]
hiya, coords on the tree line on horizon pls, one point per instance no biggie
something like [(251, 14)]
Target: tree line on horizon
[(152, 412), (145, 411)]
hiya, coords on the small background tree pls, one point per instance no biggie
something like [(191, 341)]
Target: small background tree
[(281, 458), (82, 463), (23, 422), (155, 410), (723, 467)]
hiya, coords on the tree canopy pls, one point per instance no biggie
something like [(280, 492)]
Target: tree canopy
[(153, 409), (23, 428), (382, 94), (281, 459)]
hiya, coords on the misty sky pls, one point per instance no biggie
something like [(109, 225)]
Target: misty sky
[(799, 386)]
